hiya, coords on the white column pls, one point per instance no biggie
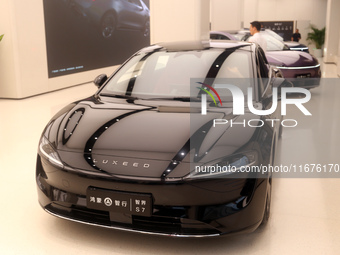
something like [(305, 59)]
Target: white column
[(178, 20), (332, 32)]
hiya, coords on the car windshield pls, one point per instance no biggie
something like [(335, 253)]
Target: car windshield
[(273, 34), (238, 36), (273, 44), (167, 74)]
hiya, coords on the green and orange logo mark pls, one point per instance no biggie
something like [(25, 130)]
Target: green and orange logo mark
[(209, 93)]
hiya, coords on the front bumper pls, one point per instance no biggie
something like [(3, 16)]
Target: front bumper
[(187, 209), (306, 78)]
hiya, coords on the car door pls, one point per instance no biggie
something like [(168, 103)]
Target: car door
[(131, 15)]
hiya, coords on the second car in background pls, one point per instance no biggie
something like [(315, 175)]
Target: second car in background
[(294, 65)]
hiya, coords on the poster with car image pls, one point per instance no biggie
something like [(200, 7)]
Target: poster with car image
[(282, 28), (83, 35)]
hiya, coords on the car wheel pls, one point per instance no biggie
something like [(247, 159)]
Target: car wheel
[(146, 30), (108, 25)]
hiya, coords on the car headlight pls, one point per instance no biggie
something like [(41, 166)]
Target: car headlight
[(225, 166), (48, 152)]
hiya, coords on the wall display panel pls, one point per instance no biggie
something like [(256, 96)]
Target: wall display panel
[(83, 35), (283, 28)]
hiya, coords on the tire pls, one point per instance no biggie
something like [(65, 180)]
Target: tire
[(108, 25)]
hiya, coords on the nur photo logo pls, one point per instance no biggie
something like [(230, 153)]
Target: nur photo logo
[(238, 102)]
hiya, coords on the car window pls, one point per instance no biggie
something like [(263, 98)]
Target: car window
[(273, 44), (167, 74), (273, 34), (239, 37), (218, 37)]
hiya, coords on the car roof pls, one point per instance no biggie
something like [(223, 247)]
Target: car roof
[(224, 31), (201, 45)]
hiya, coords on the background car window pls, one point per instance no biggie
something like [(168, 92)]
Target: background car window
[(219, 37), (273, 34), (273, 44), (239, 37)]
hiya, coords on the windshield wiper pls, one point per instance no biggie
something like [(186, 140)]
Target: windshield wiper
[(182, 99), (118, 96)]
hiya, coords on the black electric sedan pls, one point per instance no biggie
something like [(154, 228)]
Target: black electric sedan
[(158, 148)]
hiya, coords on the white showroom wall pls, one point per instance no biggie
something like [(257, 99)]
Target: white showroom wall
[(179, 20), (231, 14), (332, 32), (23, 59), (226, 14)]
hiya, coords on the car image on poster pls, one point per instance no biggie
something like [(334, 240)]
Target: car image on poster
[(83, 35)]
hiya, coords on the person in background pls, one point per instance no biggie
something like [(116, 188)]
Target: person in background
[(255, 28), (296, 36)]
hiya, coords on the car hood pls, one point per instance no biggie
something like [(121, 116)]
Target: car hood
[(290, 58), (139, 138)]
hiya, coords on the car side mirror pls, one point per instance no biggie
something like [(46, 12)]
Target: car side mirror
[(100, 80)]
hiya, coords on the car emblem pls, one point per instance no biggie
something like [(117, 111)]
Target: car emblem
[(108, 201), (122, 163)]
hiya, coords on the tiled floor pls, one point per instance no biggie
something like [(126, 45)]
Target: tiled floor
[(305, 215)]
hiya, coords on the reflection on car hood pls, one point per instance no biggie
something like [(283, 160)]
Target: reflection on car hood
[(144, 135), (290, 58)]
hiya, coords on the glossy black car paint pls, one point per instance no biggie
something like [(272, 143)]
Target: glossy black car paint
[(125, 145)]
